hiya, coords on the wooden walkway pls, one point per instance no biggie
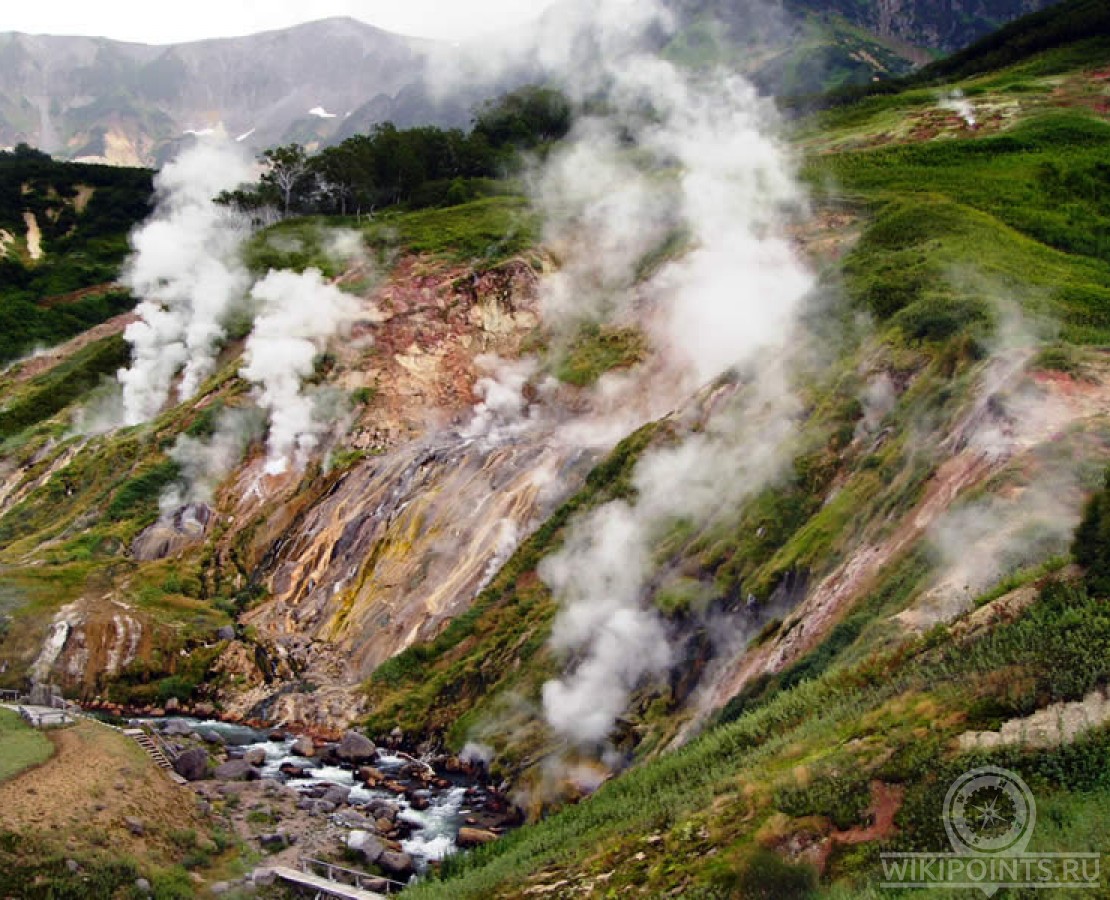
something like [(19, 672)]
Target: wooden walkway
[(323, 885)]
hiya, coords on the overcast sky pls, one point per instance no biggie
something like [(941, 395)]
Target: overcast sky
[(163, 23)]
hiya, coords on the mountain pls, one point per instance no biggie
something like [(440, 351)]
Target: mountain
[(130, 104), (94, 99), (716, 507)]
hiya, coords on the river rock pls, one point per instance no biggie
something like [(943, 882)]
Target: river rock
[(349, 818), (192, 765), (367, 845), (303, 746), (255, 756), (383, 809), (176, 728), (322, 807), (370, 776), (474, 837), (278, 737), (211, 737), (337, 794), (237, 770), (291, 771), (397, 865), (356, 748)]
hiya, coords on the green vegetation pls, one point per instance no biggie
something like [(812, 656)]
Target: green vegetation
[(844, 728), (486, 230), (20, 745), (84, 213), (597, 350), (64, 385), (412, 167)]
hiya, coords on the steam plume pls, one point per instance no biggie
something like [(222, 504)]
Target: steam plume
[(298, 314), (186, 270), (706, 164)]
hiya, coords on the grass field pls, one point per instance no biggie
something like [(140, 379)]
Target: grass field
[(20, 745)]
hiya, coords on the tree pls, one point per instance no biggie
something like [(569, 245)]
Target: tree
[(288, 172)]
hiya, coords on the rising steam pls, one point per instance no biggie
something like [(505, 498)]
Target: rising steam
[(187, 271), (298, 314), (707, 167)]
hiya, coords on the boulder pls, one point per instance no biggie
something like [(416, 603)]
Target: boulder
[(397, 865), (135, 826), (474, 837), (291, 771), (256, 756), (349, 818), (303, 746), (176, 728), (356, 748), (275, 841), (211, 737), (237, 770), (367, 845), (337, 794), (192, 765)]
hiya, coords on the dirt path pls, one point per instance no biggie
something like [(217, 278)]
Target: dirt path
[(85, 792)]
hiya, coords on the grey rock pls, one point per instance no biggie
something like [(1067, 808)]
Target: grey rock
[(322, 807), (275, 841), (176, 728), (303, 746), (367, 845), (220, 887), (397, 865), (337, 794), (135, 826), (142, 886), (237, 770), (227, 633), (192, 765), (211, 737), (72, 866), (356, 748), (348, 818), (256, 757)]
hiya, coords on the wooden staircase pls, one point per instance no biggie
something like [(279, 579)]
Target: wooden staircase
[(154, 751)]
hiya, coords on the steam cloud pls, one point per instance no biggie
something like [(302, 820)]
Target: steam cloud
[(707, 167), (187, 271), (204, 463), (298, 313)]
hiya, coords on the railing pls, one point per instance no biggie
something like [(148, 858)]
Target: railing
[(10, 696), (350, 877)]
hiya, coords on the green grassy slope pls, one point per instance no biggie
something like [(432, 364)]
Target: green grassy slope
[(961, 229), (20, 745), (84, 213)]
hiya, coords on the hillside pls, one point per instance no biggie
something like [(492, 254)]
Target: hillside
[(725, 496)]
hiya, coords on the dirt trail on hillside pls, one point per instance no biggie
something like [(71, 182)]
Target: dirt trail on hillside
[(96, 779)]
